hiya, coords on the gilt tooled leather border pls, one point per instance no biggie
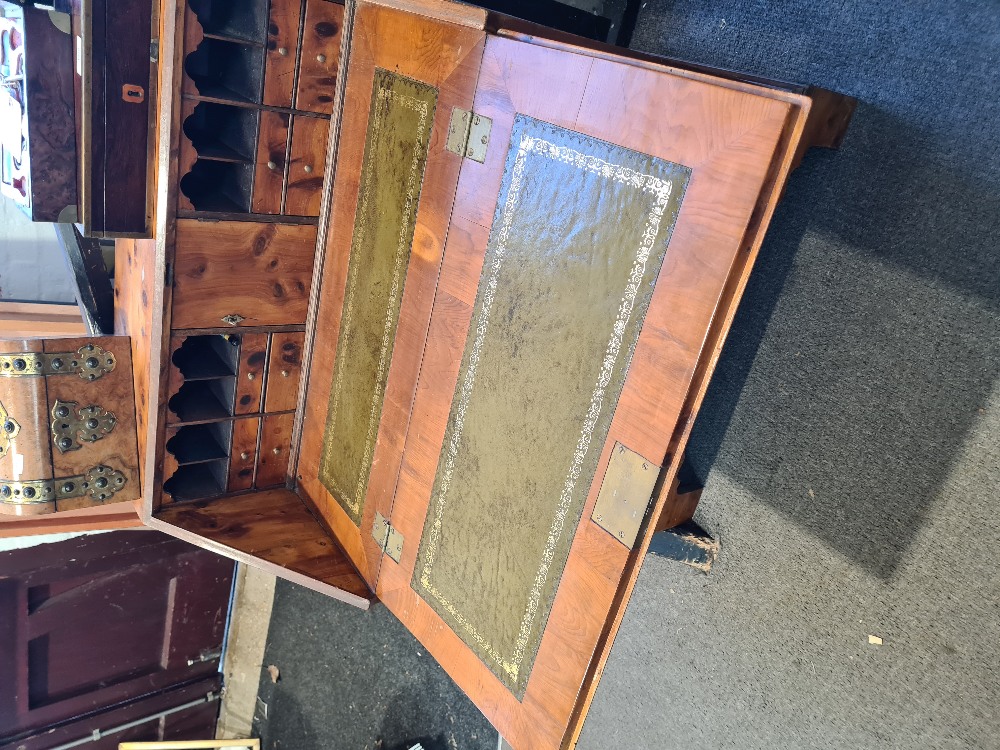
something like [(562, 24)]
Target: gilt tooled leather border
[(532, 222), (396, 147)]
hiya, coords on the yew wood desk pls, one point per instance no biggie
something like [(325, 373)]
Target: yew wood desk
[(433, 301)]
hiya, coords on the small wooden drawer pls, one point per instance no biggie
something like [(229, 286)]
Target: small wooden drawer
[(306, 165), (241, 274), (275, 443), (244, 454), (319, 57), (250, 379), (284, 368), (269, 171), (282, 45)]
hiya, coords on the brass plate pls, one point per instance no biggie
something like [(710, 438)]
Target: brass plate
[(90, 362), (625, 494), (72, 424)]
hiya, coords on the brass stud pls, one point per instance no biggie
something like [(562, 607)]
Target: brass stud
[(283, 51), (272, 165), (276, 451), (308, 168), (284, 373), (321, 58), (244, 456)]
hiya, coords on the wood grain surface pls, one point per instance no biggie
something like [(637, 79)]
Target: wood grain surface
[(250, 375), (241, 470), (284, 371), (445, 56), (113, 391), (269, 171), (261, 272), (731, 140), (273, 531), (319, 56), (275, 445), (306, 165), (282, 45)]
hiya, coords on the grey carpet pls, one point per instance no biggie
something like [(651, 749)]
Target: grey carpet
[(849, 440), (850, 436)]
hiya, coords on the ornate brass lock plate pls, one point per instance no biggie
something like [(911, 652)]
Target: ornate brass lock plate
[(72, 424), (90, 362), (8, 430)]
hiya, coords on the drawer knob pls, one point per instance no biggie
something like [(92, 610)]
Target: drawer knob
[(276, 451), (321, 58), (283, 51), (272, 165), (244, 456), (285, 373), (308, 168), (250, 376)]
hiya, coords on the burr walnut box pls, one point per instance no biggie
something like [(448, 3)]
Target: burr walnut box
[(432, 304)]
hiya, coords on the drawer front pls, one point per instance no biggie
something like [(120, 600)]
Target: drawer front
[(250, 378), (282, 42), (306, 166), (275, 443), (241, 273), (283, 370), (319, 56), (244, 454), (269, 171)]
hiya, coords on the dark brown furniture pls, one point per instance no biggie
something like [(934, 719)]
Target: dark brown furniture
[(116, 634), (40, 174)]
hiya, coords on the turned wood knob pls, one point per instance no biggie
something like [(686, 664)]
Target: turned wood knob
[(244, 455), (283, 51), (308, 168), (321, 58), (272, 166)]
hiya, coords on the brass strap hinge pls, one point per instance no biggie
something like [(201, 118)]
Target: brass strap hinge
[(90, 362), (390, 540), (469, 134), (99, 483)]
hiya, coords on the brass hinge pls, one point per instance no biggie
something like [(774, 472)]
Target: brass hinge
[(99, 482), (90, 362), (390, 540), (469, 134)]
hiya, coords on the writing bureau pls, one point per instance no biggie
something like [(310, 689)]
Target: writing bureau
[(465, 385)]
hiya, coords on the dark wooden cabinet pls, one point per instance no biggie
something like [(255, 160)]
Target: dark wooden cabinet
[(102, 630)]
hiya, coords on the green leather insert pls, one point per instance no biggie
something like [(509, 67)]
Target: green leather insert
[(392, 171), (578, 238)]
